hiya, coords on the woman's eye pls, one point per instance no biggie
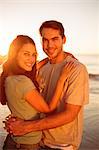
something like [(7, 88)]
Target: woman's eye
[(26, 54), (34, 55)]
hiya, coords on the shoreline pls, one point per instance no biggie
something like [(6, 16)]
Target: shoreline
[(94, 76)]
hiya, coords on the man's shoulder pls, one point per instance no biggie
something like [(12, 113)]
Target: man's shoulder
[(71, 57), (77, 63)]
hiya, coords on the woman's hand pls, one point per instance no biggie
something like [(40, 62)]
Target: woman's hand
[(67, 71), (41, 82)]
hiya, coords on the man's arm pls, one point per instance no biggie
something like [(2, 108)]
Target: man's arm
[(20, 127)]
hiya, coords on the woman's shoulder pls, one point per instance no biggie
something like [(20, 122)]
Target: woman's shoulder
[(18, 78)]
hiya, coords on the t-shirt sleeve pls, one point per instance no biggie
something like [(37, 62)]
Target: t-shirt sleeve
[(78, 87), (27, 85)]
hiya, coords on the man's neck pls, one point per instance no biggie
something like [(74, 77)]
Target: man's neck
[(59, 58)]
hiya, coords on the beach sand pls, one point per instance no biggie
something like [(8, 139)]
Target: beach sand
[(90, 139)]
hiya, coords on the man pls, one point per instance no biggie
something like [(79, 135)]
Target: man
[(62, 128)]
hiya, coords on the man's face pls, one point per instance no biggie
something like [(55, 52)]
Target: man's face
[(52, 42)]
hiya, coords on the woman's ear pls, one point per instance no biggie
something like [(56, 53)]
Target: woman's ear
[(64, 39)]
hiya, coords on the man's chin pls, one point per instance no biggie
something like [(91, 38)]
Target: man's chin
[(51, 56)]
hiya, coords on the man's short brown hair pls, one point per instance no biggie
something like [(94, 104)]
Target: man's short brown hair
[(54, 25)]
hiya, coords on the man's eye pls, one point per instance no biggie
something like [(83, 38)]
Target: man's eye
[(55, 39)]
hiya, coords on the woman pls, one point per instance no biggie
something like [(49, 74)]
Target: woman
[(20, 90)]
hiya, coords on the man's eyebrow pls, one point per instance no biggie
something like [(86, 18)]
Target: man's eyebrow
[(56, 37)]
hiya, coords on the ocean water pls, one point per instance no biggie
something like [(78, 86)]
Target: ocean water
[(91, 118), (91, 62)]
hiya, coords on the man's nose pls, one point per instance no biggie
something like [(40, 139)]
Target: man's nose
[(50, 43)]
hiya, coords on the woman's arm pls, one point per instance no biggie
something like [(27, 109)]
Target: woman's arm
[(66, 72), (38, 102)]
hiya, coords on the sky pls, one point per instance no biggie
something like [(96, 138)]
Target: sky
[(80, 19)]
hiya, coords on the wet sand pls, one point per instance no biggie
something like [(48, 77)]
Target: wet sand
[(90, 139)]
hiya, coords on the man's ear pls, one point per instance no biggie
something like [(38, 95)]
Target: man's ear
[(64, 39)]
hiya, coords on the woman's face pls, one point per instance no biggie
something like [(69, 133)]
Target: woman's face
[(26, 56)]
